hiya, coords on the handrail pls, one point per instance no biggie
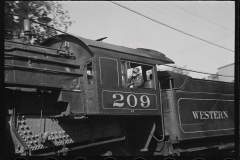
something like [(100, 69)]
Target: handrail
[(14, 84), (85, 146), (42, 70), (9, 48), (35, 58)]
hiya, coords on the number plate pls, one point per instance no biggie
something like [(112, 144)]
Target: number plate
[(129, 100)]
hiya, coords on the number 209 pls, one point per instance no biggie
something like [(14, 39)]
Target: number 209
[(119, 102)]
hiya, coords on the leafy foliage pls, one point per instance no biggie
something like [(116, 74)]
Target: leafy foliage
[(34, 10), (176, 69), (180, 70)]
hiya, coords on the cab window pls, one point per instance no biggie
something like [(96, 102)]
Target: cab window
[(89, 74), (146, 71), (109, 74)]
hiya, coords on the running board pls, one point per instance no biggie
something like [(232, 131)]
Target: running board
[(84, 146), (227, 146), (220, 147)]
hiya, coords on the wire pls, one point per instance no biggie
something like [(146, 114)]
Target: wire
[(197, 71), (171, 27), (196, 46), (202, 18), (209, 11)]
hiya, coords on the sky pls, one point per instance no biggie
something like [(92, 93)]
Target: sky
[(213, 21)]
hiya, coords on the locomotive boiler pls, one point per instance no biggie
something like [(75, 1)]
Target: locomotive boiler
[(71, 95)]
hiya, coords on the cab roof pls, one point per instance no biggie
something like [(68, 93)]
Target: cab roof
[(145, 53)]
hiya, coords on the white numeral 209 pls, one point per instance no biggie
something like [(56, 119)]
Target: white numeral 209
[(145, 101), (116, 102)]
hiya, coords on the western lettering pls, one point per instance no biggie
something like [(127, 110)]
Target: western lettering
[(195, 114), (207, 114), (221, 116), (225, 113), (203, 112), (215, 114), (210, 114), (201, 115), (204, 115)]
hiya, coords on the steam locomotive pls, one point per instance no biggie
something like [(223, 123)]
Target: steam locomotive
[(71, 96)]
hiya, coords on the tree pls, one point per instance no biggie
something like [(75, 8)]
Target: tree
[(180, 70), (34, 10), (174, 68)]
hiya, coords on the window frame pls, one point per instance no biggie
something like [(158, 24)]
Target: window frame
[(100, 69), (125, 73), (86, 63)]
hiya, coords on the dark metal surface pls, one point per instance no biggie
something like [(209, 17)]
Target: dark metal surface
[(40, 66), (75, 101), (200, 109), (200, 85), (178, 79), (206, 115)]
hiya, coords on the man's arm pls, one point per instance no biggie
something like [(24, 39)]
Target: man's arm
[(138, 82)]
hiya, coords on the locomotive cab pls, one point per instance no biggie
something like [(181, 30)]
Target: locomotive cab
[(107, 71)]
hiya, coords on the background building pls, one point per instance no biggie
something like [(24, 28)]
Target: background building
[(213, 77), (227, 70)]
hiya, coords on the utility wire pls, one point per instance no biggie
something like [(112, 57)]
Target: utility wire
[(196, 46), (170, 26), (209, 12), (202, 18), (198, 71)]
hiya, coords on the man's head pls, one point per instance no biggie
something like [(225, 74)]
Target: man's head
[(135, 72)]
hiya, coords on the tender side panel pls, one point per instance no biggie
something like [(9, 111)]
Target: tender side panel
[(205, 115), (198, 85), (197, 112)]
